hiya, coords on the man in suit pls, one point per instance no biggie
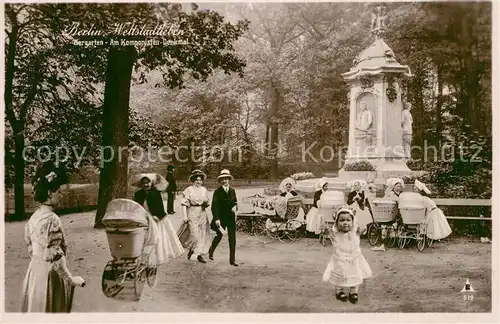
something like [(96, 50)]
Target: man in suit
[(171, 189), (224, 208)]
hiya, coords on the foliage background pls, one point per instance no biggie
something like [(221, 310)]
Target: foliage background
[(292, 93)]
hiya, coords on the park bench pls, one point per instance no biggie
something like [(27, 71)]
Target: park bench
[(440, 202), (447, 202)]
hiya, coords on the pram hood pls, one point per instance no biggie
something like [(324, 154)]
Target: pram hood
[(125, 213), (411, 200)]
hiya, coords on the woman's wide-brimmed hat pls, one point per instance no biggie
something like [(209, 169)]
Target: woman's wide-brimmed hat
[(197, 173), (420, 186), (158, 181), (285, 182), (54, 174), (225, 174)]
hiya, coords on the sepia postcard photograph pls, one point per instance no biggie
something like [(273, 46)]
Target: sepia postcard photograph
[(250, 162)]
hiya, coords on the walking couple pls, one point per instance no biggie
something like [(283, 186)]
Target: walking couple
[(194, 206)]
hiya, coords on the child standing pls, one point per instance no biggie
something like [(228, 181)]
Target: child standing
[(347, 267)]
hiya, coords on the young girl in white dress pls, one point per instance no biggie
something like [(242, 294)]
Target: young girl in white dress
[(347, 267)]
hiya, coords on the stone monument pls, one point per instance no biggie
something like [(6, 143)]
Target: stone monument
[(379, 127)]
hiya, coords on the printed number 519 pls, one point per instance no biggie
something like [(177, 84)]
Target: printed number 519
[(468, 297)]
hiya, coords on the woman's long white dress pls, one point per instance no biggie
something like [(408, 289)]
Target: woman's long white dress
[(47, 286), (168, 245), (437, 225), (199, 224)]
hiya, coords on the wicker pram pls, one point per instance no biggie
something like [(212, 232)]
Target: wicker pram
[(384, 211), (293, 207), (127, 229), (411, 208)]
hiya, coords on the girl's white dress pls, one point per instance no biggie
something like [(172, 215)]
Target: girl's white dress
[(347, 266), (437, 225)]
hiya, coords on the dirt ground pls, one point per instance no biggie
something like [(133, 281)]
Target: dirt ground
[(272, 276)]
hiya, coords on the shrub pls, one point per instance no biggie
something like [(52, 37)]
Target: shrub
[(302, 176), (359, 166)]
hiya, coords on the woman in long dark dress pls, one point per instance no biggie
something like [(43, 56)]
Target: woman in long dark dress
[(48, 285)]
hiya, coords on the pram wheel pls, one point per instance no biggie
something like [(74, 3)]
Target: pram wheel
[(139, 280), (373, 234), (272, 230), (429, 241), (391, 241), (288, 232), (402, 240), (152, 276), (420, 237), (109, 286)]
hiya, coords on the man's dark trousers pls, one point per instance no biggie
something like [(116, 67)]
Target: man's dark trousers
[(231, 234), (223, 203), (170, 202)]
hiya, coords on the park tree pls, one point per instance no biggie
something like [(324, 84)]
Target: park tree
[(58, 62), (38, 80), (201, 43)]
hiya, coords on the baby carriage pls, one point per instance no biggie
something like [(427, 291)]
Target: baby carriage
[(383, 226), (284, 225), (413, 216), (131, 246), (331, 201)]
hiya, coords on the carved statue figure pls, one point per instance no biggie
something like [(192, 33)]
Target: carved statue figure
[(378, 20), (364, 134), (406, 125), (365, 118)]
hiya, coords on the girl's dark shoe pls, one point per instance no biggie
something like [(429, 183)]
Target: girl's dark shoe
[(341, 296), (190, 253), (353, 298), (200, 259)]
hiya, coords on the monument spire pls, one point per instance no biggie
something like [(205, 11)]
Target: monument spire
[(378, 21)]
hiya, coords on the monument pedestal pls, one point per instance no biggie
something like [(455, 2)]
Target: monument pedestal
[(378, 128)]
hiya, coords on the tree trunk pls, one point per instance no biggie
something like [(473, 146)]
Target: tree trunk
[(273, 144), (113, 178), (19, 175), (272, 129), (439, 105)]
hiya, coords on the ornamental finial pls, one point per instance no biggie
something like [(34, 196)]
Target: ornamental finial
[(378, 21)]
